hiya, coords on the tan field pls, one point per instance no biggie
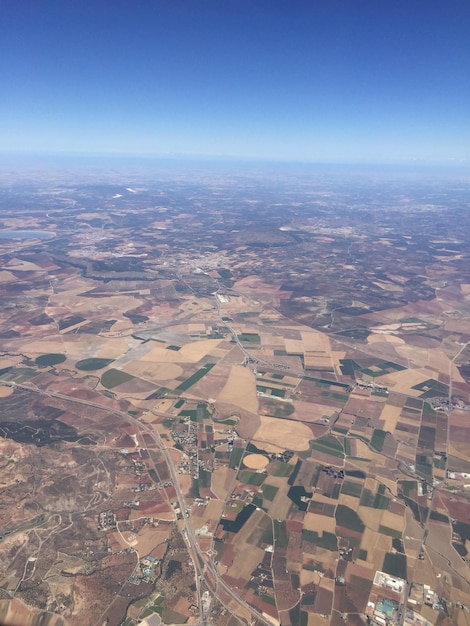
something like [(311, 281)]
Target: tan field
[(116, 347), (406, 452), (189, 353), (314, 341), (5, 391), (195, 351), (245, 561), (440, 362), (7, 277), (376, 546), (454, 450), (10, 361), (222, 479), (404, 381), (243, 535), (208, 516), (306, 577), (279, 507), (81, 346), (319, 497), (240, 389), (105, 307), (319, 523), (432, 358), (257, 292), (390, 415), (294, 345), (439, 541), (370, 483), (154, 371), (148, 416), (120, 327), (213, 512), (349, 501), (335, 357), (383, 336), (327, 583), (417, 356), (312, 412), (255, 461), (196, 328), (44, 347), (71, 329), (391, 484), (327, 558), (412, 534), (22, 266), (372, 518), (390, 520), (387, 286), (234, 607), (163, 406), (211, 385), (282, 434), (320, 362), (362, 450)]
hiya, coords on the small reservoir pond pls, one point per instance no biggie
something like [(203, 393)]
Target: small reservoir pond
[(26, 234)]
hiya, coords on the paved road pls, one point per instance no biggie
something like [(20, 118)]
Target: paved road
[(202, 566)]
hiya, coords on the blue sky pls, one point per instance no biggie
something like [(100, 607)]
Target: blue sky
[(330, 80)]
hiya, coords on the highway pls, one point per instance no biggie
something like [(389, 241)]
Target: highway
[(203, 568), (249, 358)]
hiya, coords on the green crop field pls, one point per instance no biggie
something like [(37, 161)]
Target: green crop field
[(112, 378), (280, 534), (348, 518), (249, 337), (236, 457), (381, 502), (327, 449), (395, 564), (282, 469), (280, 393), (390, 532), (408, 486), (269, 492), (351, 489), (276, 408), (204, 478), (90, 365), (367, 498), (251, 478), (378, 438), (327, 541), (189, 382), (192, 414), (50, 359)]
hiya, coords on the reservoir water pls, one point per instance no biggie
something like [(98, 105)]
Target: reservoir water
[(26, 234)]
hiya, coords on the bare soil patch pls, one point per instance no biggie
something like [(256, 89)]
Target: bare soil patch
[(283, 434), (240, 389), (255, 461), (154, 371)]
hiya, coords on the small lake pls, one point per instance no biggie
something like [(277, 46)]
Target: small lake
[(26, 234)]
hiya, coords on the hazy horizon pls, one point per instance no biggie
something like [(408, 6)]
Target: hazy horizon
[(261, 80)]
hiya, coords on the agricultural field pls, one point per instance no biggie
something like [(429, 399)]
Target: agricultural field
[(251, 429)]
